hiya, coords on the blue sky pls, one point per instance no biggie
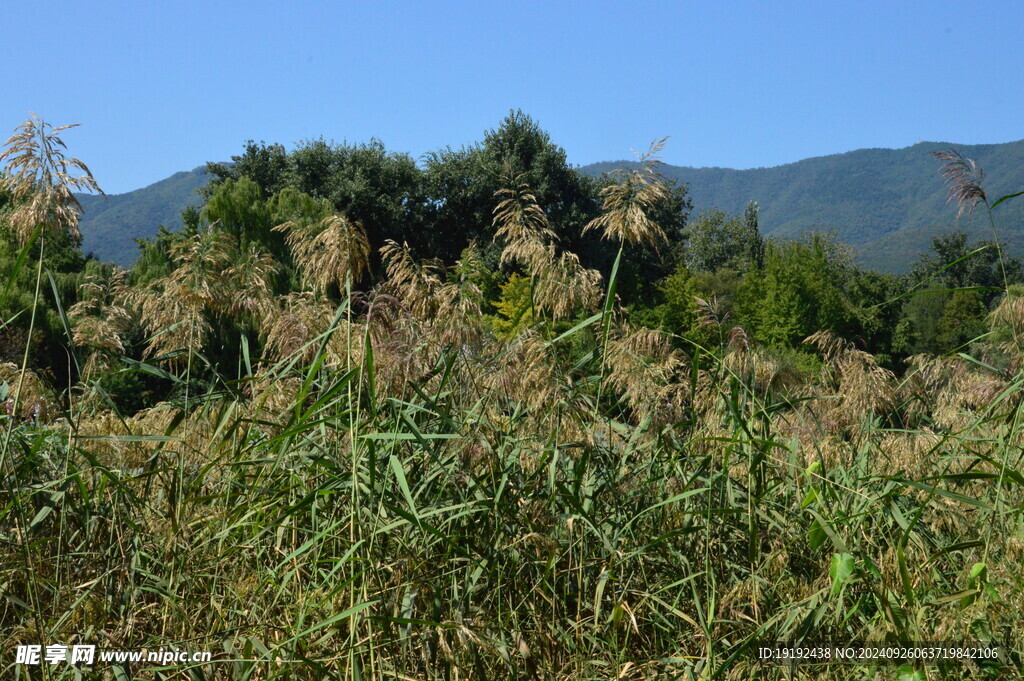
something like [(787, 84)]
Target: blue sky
[(162, 87)]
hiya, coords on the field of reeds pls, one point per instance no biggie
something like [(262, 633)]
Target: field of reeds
[(392, 490)]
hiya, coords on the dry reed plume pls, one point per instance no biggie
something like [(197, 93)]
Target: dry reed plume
[(100, 319), (42, 181), (561, 286), (334, 251), (27, 395), (965, 180), (628, 204), (212, 280)]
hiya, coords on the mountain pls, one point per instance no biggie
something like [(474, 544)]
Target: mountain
[(108, 224), (888, 203)]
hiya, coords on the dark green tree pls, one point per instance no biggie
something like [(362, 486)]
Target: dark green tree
[(240, 209), (954, 263), (719, 241), (365, 182), (802, 289), (266, 165), (460, 187), (753, 241), (963, 320)]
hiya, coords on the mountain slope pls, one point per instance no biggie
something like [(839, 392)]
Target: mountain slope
[(109, 224), (888, 203)]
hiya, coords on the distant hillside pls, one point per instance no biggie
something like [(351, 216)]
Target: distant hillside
[(888, 203), (109, 224)]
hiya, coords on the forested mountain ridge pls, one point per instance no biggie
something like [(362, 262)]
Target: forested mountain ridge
[(888, 203), (110, 224)]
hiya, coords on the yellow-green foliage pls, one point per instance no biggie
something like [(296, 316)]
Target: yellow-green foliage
[(515, 306)]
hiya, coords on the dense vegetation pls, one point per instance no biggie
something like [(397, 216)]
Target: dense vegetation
[(883, 202), (494, 418)]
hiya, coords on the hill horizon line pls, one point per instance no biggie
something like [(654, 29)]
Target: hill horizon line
[(888, 203), (953, 145)]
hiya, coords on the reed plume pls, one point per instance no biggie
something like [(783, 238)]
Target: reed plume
[(101, 320), (562, 286), (174, 309), (25, 391), (965, 179), (333, 251), (864, 389), (291, 327), (42, 181), (413, 282), (627, 204), (650, 374)]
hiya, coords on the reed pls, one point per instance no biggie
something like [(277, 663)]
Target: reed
[(390, 491)]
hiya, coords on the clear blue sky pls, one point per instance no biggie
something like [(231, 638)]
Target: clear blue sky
[(162, 87)]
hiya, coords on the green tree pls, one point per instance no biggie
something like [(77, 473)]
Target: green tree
[(719, 241), (364, 182), (802, 289), (962, 321), (956, 264), (878, 306), (958, 282), (514, 307), (680, 309), (239, 207), (753, 241), (919, 324), (460, 186), (266, 165)]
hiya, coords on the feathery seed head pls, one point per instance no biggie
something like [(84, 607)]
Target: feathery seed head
[(965, 180), (331, 252), (627, 204), (42, 180)]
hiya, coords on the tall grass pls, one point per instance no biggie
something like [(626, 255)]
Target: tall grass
[(392, 493)]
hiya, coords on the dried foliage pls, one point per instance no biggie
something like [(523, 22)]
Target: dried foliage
[(565, 288), (211, 280), (335, 251), (42, 181), (26, 395), (948, 391), (522, 372), (293, 327), (522, 225), (101, 320), (413, 282), (755, 365), (863, 389), (562, 287), (1008, 321), (628, 203), (650, 374), (965, 179), (460, 320), (250, 277)]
